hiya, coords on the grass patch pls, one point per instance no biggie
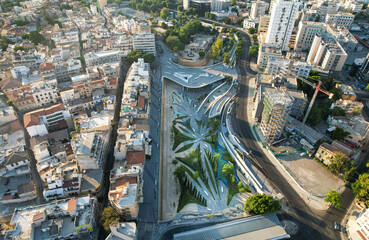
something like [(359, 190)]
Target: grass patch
[(212, 177), (186, 198), (227, 156), (181, 117), (184, 148), (232, 190), (179, 137)]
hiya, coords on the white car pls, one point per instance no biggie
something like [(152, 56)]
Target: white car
[(302, 154)]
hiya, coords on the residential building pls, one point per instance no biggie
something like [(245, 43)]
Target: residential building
[(281, 23), (299, 102), (20, 72), (353, 6), (65, 70), (90, 149), (356, 126), (304, 131), (119, 230), (219, 5), (277, 107), (136, 91), (348, 42), (348, 92), (264, 23), (250, 23), (102, 57), (327, 7), (363, 72), (129, 140), (201, 6), (125, 193), (144, 42), (266, 51), (70, 218), (41, 121), (351, 107), (358, 229), (283, 67), (258, 9), (45, 92), (340, 19), (326, 53), (326, 152), (305, 34)]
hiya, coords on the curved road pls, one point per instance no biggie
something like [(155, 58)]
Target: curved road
[(313, 224)]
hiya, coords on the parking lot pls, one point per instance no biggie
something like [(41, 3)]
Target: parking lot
[(8, 209), (313, 177)]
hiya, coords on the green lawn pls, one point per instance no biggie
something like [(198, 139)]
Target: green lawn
[(232, 190), (179, 137), (184, 148), (187, 198)]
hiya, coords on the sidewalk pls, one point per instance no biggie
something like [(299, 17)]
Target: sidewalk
[(311, 200)]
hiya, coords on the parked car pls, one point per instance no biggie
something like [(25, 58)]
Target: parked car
[(336, 226)]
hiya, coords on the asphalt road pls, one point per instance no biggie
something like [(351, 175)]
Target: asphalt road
[(148, 211), (313, 224)]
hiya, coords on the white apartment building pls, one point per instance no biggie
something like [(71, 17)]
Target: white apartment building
[(249, 23), (340, 19), (306, 33), (102, 57), (218, 5), (258, 9), (90, 149), (21, 71), (267, 51), (359, 229), (281, 23), (45, 92), (354, 6), (126, 190), (326, 53), (144, 42), (286, 66), (327, 7), (65, 70), (37, 122), (348, 42), (69, 95)]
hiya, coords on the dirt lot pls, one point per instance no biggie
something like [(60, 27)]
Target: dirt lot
[(313, 177)]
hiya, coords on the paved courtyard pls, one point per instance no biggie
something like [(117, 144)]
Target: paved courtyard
[(313, 177)]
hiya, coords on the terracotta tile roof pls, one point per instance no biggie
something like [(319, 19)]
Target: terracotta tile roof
[(141, 102), (9, 83), (7, 197), (134, 104), (44, 67), (121, 181), (32, 118), (38, 216), (72, 204), (112, 81), (97, 82), (135, 157)]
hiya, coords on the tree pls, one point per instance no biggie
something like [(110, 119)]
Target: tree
[(36, 37), (180, 171), (228, 170), (195, 175), (252, 30), (164, 13), (367, 87), (226, 20), (234, 9), (20, 22), (17, 47), (315, 116), (253, 52), (255, 38), (136, 54), (233, 3), (337, 111), (201, 54), (339, 134), (334, 198), (180, 8), (9, 102), (361, 188), (212, 16), (216, 48), (227, 57), (108, 216), (261, 204), (337, 164), (174, 43)]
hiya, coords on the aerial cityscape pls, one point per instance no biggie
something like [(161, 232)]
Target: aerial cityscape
[(184, 119)]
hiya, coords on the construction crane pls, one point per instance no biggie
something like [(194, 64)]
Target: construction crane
[(317, 89)]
